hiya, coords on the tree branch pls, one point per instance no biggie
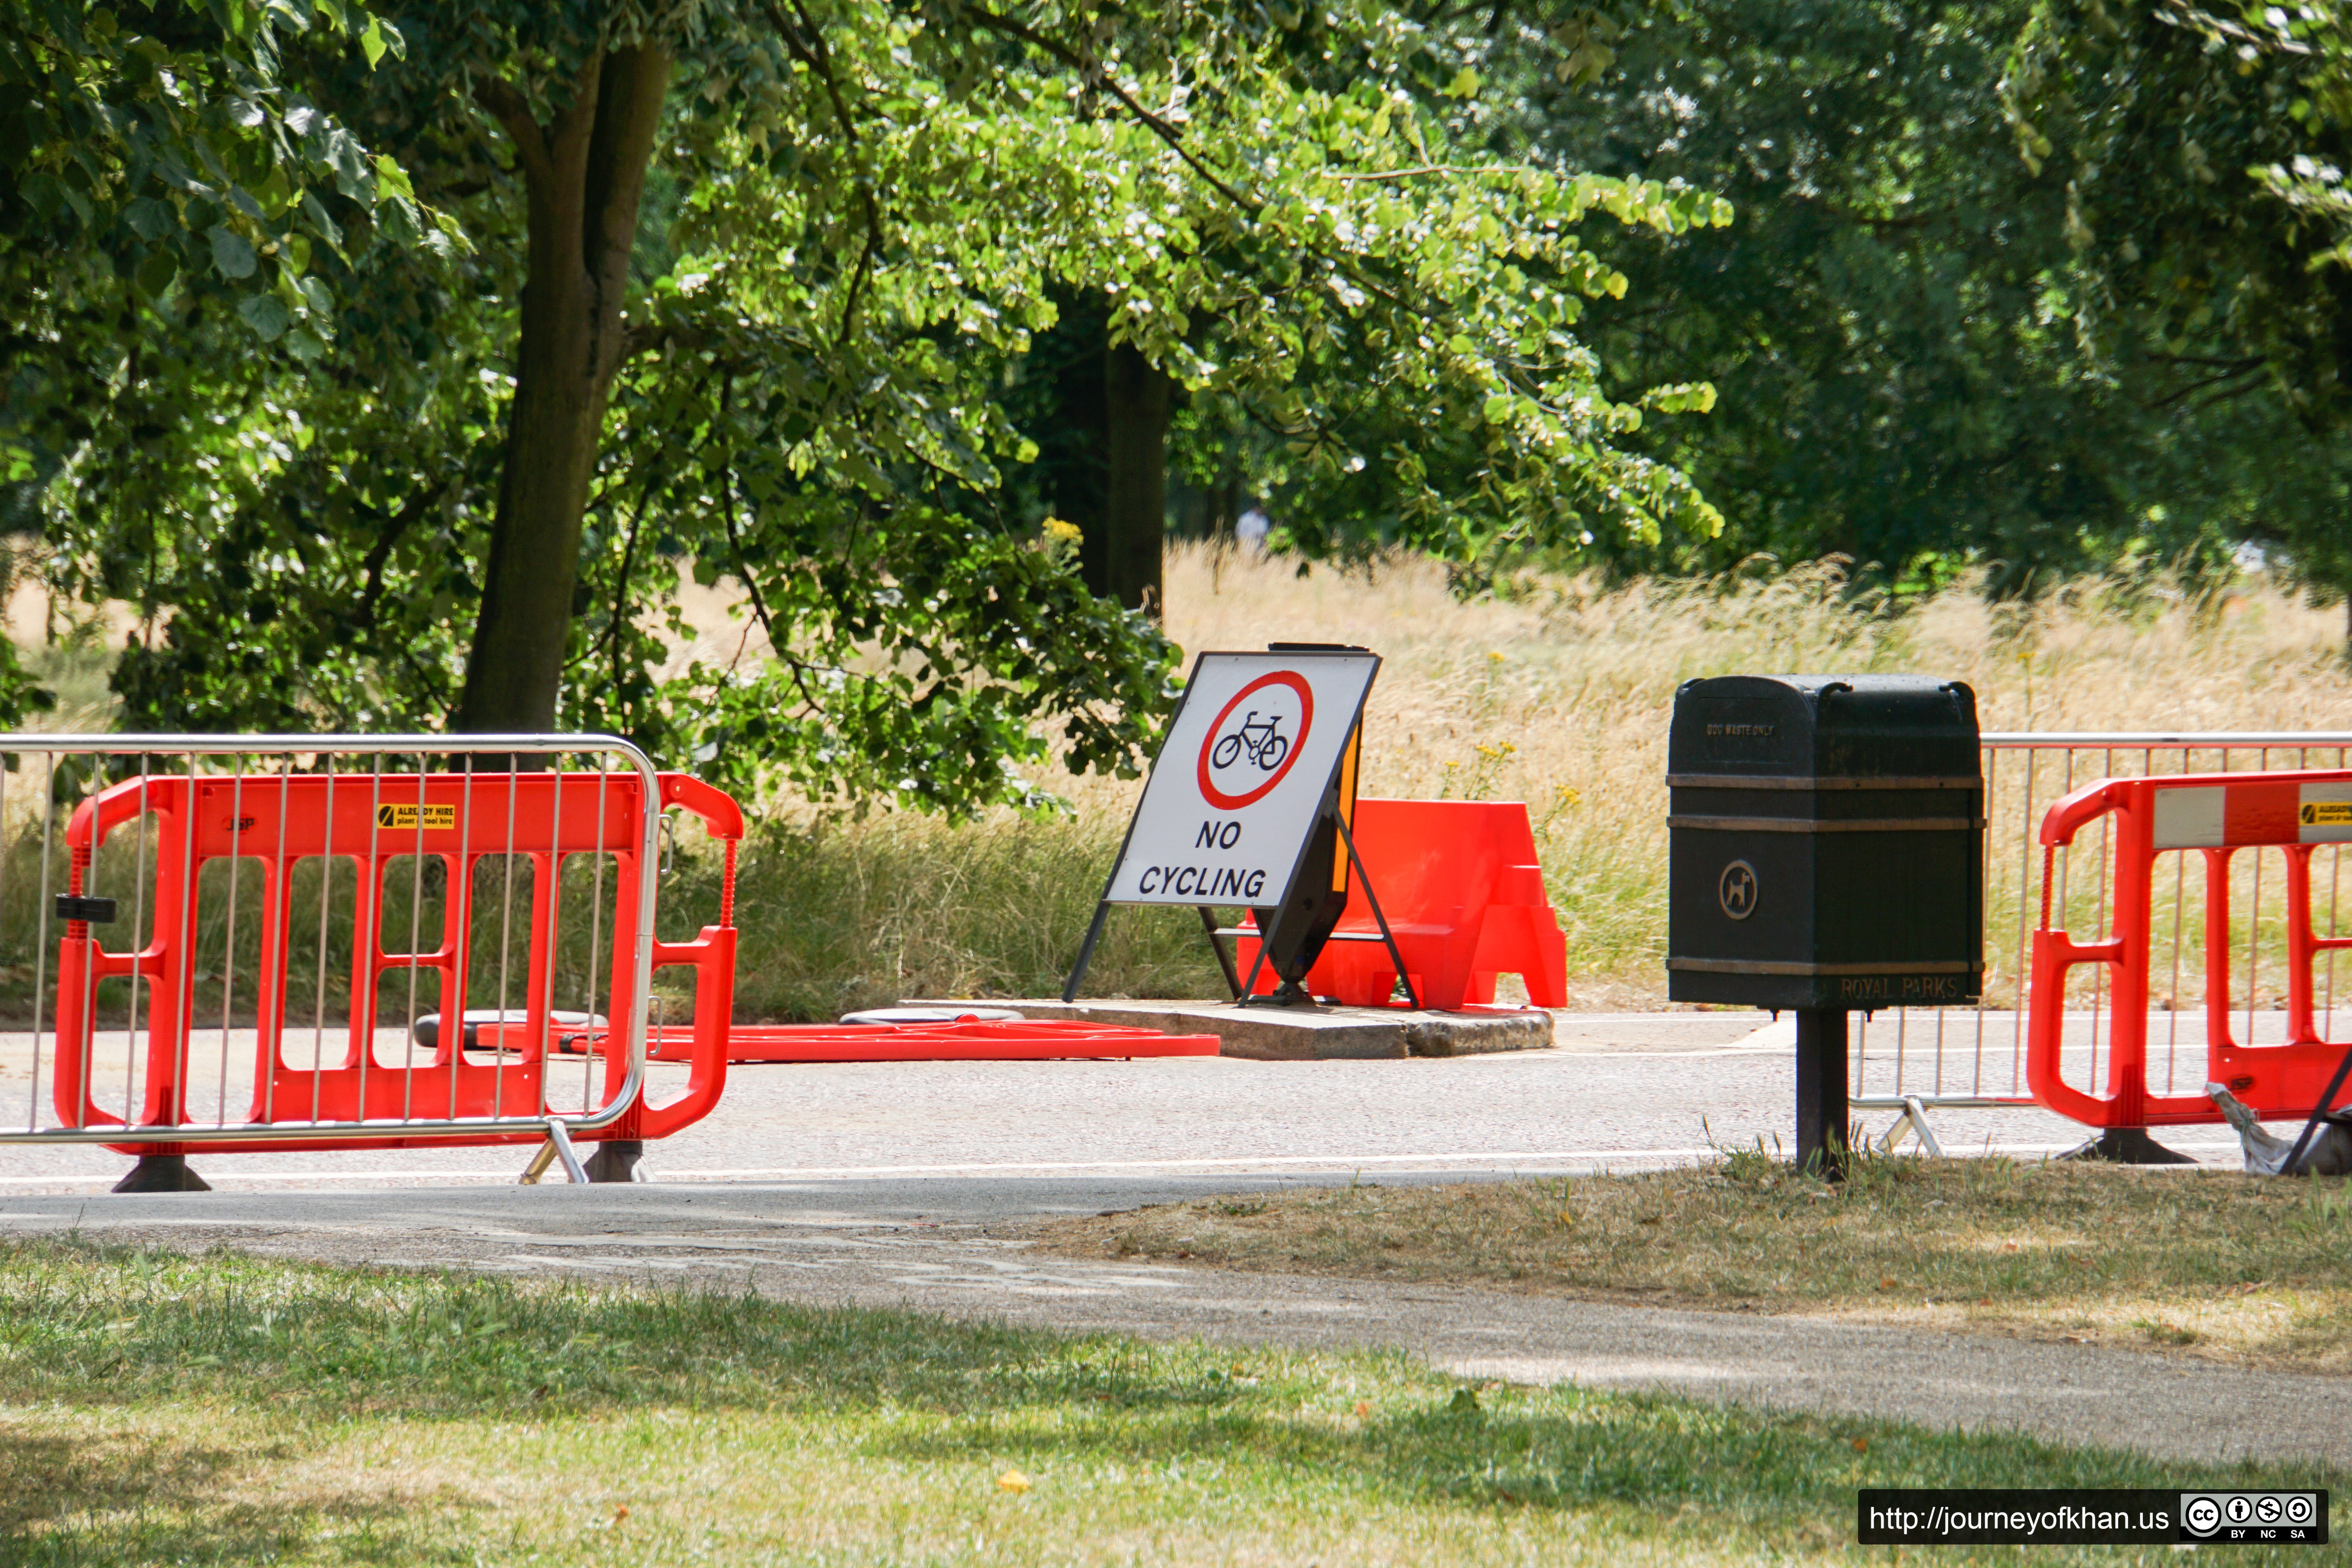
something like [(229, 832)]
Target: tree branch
[(379, 555), (813, 54), (508, 108), (618, 621), (734, 538), (643, 335), (630, 86), (2218, 379), (1407, 173), (2233, 362), (776, 650), (1154, 123)]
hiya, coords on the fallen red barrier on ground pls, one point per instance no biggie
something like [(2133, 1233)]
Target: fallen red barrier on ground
[(1024, 1040)]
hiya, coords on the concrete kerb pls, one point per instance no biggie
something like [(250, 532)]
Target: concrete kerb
[(1316, 1034)]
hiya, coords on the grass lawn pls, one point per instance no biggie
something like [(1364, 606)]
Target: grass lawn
[(161, 1408), (2226, 1265)]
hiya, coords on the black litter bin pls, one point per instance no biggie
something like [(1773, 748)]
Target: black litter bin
[(1827, 856)]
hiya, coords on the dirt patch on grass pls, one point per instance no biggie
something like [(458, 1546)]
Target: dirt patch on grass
[(2210, 1263)]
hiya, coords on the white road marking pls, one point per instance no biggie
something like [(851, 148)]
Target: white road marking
[(1240, 1164)]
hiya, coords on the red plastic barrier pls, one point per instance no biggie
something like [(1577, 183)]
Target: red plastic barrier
[(1024, 1040), (1464, 899), (2216, 815), (282, 820)]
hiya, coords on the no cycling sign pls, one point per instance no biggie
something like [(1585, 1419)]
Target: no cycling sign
[(1235, 796)]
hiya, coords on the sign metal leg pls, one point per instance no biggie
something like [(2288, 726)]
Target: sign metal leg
[(1086, 952), (1412, 996), (1248, 987), (1224, 959), (2326, 1103)]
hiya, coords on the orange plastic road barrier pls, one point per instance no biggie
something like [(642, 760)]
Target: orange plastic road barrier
[(1024, 1040), (1464, 899), (2216, 815), (282, 820)]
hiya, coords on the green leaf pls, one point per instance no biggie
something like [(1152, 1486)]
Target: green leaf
[(265, 315), (392, 180), (371, 41), (1463, 85), (157, 270), (232, 254), (151, 219)]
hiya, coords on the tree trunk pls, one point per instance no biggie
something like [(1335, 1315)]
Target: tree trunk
[(1071, 439), (584, 175), (1105, 451), (1136, 397)]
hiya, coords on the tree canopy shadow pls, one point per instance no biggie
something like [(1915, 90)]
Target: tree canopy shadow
[(110, 1498)]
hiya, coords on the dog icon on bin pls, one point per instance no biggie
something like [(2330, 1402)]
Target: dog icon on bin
[(1736, 890)]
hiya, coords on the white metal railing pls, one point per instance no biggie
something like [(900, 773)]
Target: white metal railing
[(264, 878), (1913, 1061)]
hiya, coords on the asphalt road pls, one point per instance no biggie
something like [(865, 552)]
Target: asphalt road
[(1620, 1092)]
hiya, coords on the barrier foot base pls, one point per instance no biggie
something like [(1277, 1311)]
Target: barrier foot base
[(162, 1174), (558, 1148), (1912, 1122), (616, 1160), (2128, 1146)]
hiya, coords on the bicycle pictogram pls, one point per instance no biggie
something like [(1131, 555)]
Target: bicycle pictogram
[(1264, 741), (1255, 740)]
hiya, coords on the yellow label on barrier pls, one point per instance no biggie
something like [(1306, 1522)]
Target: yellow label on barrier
[(409, 818), (2327, 814)]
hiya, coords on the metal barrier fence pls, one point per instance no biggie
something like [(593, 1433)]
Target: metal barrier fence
[(1915, 1060), (238, 942)]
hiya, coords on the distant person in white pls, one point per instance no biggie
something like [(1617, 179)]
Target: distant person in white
[(1251, 526)]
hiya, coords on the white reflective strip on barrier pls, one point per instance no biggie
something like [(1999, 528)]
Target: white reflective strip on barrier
[(2191, 818)]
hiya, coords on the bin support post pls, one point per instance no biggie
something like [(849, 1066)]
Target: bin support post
[(1820, 1091)]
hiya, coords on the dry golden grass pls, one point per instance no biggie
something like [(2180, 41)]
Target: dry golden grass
[(1557, 694), (2223, 1266), (1581, 681), (1560, 693)]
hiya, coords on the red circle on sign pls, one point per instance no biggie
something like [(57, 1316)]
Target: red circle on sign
[(1296, 682)]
